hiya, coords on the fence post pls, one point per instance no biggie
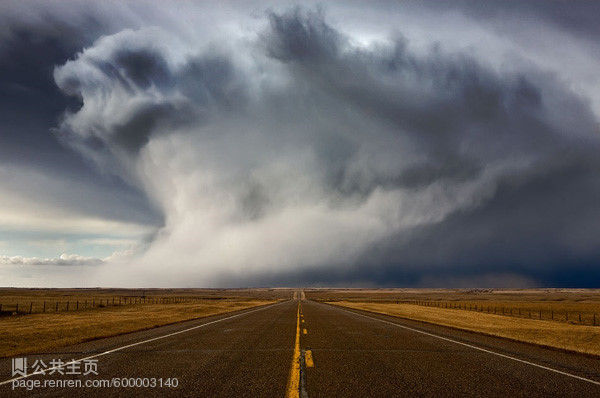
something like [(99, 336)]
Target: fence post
[(552, 314), (77, 305), (30, 307), (85, 304), (56, 310), (17, 309), (594, 319), (44, 306), (67, 305)]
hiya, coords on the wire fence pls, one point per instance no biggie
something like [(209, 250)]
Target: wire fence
[(573, 317), (44, 306)]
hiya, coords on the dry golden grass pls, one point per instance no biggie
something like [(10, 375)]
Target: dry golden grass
[(556, 304), (565, 336), (37, 332), (47, 299), (585, 295), (584, 313), (589, 296)]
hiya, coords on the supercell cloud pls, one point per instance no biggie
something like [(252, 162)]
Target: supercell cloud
[(347, 144)]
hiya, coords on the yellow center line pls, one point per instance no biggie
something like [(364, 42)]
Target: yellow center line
[(308, 359), (293, 386)]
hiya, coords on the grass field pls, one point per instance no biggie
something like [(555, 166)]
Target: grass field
[(21, 301), (575, 306), (558, 333), (20, 334)]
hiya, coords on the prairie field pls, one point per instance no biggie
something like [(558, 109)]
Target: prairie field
[(15, 301), (24, 333), (577, 306)]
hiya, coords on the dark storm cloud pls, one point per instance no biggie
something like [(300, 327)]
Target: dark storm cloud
[(443, 102), (299, 154), (538, 221), (31, 105), (131, 63), (29, 100)]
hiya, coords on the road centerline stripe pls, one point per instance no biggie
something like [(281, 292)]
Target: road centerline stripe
[(308, 358), (293, 385)]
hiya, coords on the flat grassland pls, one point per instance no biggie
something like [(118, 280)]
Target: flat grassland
[(20, 334), (567, 315)]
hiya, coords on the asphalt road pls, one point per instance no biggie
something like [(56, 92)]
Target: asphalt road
[(343, 353)]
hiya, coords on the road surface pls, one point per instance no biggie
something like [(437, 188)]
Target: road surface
[(303, 348)]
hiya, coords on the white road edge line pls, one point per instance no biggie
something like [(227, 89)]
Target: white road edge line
[(475, 347), (138, 343)]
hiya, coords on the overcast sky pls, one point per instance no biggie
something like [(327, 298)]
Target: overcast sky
[(247, 143)]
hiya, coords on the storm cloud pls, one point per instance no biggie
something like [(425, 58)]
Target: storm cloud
[(288, 147)]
